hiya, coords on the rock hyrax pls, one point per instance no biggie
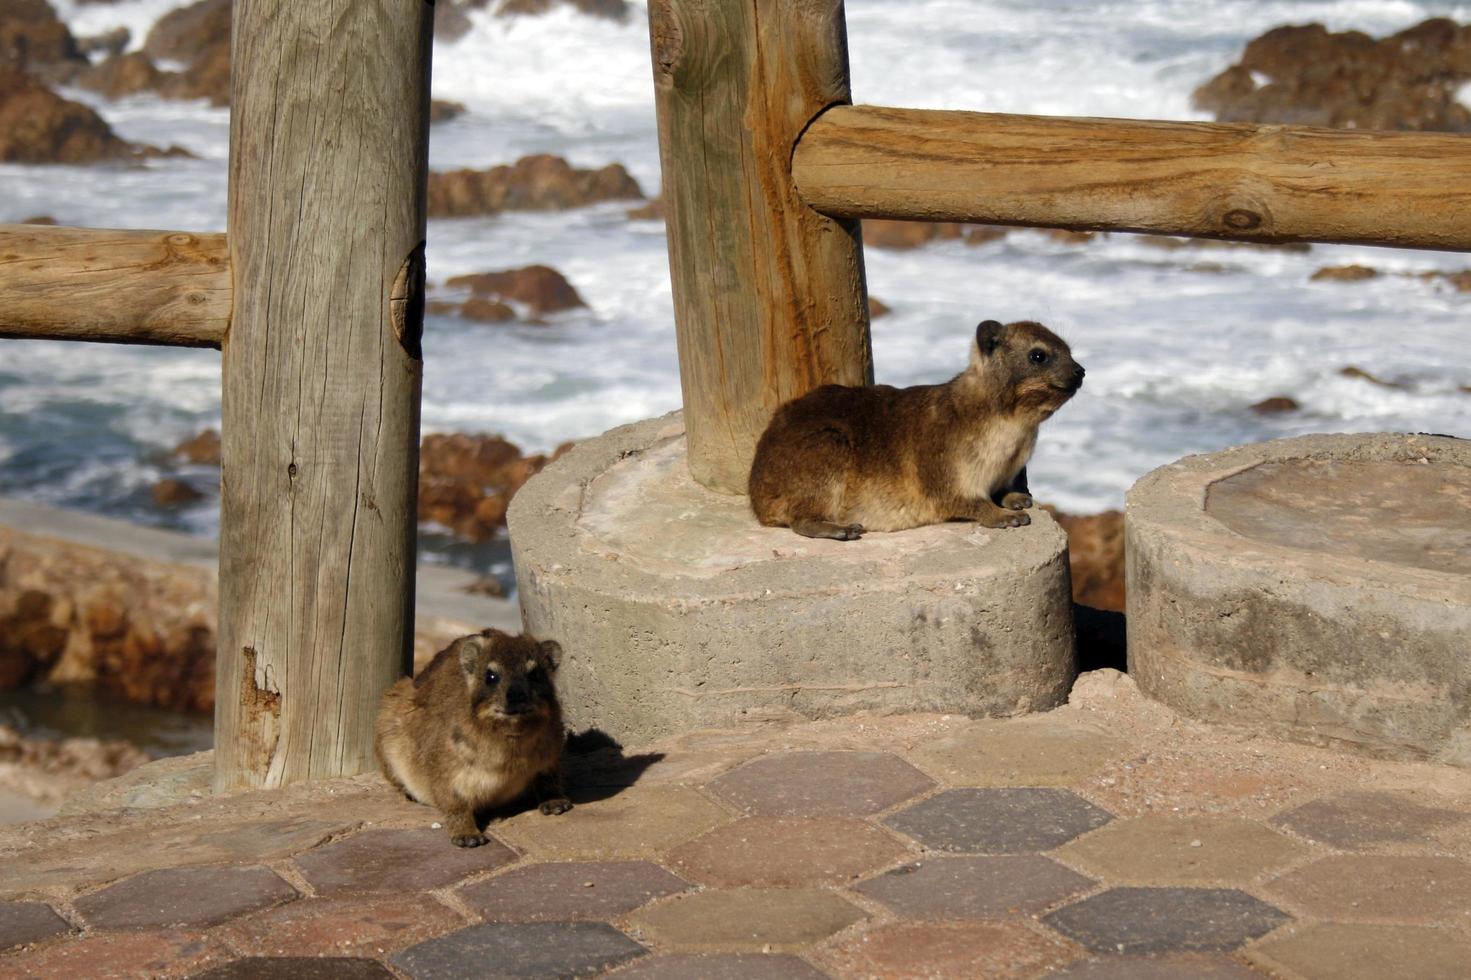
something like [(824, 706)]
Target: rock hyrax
[(475, 729), (842, 460)]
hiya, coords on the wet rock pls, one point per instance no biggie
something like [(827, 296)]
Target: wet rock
[(541, 288), (39, 126), (484, 310), (203, 448), (1308, 76), (653, 211), (1275, 405), (616, 10), (122, 75), (534, 183), (1096, 557), (35, 40), (110, 43), (466, 482), (1066, 237), (172, 492), (443, 110), (47, 770), (1459, 281), (1171, 243), (39, 219), (1344, 273), (182, 34), (1360, 374), (487, 586), (208, 77), (883, 233), (450, 22), (877, 308), (982, 234), (30, 639)]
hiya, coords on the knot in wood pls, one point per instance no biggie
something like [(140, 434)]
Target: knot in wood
[(406, 303), (1240, 219), (668, 39), (291, 471)]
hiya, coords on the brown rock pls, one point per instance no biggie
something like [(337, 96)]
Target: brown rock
[(533, 183), (208, 77), (1171, 243), (172, 492), (540, 287), (883, 233), (1096, 557), (30, 640), (1460, 281), (34, 39), (981, 234), (39, 126), (441, 307), (1344, 273), (47, 770), (443, 110), (1362, 375), (607, 9), (109, 43), (450, 22), (466, 482), (181, 34), (203, 448), (653, 211), (121, 75), (484, 310), (1312, 77), (1275, 404), (39, 219), (877, 308), (1067, 237)]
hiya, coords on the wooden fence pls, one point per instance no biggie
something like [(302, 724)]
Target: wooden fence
[(315, 294)]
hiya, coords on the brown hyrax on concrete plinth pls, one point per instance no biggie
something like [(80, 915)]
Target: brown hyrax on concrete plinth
[(1317, 588), (680, 611), (844, 459)]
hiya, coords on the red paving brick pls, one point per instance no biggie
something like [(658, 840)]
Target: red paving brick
[(397, 861), (924, 951), (786, 851), (821, 784), (199, 897), (28, 922), (115, 956), (357, 925), (570, 890), (974, 887)]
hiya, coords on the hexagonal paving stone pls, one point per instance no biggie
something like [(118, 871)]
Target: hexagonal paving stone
[(1184, 966), (785, 851), (570, 890), (520, 949), (1159, 849), (974, 887), (721, 966), (114, 955), (1166, 920), (28, 922), (298, 968), (638, 822), (945, 949), (395, 861), (1363, 819), (998, 821), (1366, 952), (821, 784), (1413, 890), (747, 918), (183, 897), (345, 926), (1019, 753)]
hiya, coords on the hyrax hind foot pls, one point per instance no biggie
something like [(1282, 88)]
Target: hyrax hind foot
[(989, 515), (463, 832), (827, 529), (553, 807), (1016, 501)]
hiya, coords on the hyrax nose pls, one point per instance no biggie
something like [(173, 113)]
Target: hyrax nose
[(518, 699), (1078, 373)]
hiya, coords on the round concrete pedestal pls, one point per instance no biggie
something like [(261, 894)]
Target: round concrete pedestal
[(1317, 588), (678, 611)]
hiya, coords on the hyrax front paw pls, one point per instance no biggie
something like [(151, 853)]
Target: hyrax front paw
[(468, 840), (1016, 500), (1004, 518), (553, 807)]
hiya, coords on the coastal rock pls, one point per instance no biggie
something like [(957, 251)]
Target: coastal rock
[(443, 110), (1170, 244), (181, 34), (1308, 76), (1275, 405), (47, 770), (466, 482), (541, 288), (1344, 273), (121, 75), (1459, 281), (484, 310), (450, 22), (207, 77), (1096, 557), (653, 211), (616, 10), (1065, 237), (172, 492), (39, 219), (883, 233), (30, 641), (1360, 374), (982, 234), (35, 40), (877, 308), (109, 43), (39, 126), (203, 448), (535, 183)]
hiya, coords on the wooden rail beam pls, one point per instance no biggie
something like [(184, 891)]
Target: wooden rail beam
[(1212, 180), (121, 287), (322, 370), (769, 296)]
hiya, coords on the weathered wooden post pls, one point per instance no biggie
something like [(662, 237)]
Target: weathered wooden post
[(322, 370), (769, 297)]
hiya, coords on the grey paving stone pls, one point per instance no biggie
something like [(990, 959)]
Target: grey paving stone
[(298, 968), (998, 821), (571, 890), (821, 784), (1166, 920), (1182, 967), (974, 887), (183, 897), (520, 949), (717, 966), (397, 860), (1362, 819), (28, 922)]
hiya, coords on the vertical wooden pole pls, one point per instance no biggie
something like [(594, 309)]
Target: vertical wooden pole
[(322, 371), (769, 297)]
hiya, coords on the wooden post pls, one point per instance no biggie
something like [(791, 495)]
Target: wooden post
[(769, 297), (322, 369)]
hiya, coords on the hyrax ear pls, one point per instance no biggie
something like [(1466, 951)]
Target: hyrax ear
[(467, 649), (988, 336), (551, 653)]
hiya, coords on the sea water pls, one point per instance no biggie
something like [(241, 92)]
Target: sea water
[(1175, 355)]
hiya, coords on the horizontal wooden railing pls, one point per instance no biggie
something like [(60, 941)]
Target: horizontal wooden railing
[(1214, 180), (130, 287)]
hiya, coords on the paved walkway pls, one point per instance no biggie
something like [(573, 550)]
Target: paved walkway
[(1107, 839)]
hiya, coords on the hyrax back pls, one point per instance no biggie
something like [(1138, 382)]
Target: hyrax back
[(841, 460), (475, 729)]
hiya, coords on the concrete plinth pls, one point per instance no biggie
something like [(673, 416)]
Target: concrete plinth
[(678, 611), (1318, 588)]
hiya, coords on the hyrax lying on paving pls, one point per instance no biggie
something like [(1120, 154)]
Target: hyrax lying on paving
[(842, 460), (475, 729)]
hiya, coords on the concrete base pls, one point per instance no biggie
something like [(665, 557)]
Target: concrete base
[(678, 611), (1318, 588)]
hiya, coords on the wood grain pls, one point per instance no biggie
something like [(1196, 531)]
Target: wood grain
[(328, 153), (1212, 180), (122, 287), (769, 295)]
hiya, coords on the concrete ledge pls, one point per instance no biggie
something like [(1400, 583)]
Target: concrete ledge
[(1318, 588), (678, 611)]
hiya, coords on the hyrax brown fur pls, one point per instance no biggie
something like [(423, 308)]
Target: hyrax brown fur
[(475, 729), (842, 460)]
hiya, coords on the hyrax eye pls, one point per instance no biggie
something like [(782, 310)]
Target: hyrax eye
[(1037, 356), (492, 678)]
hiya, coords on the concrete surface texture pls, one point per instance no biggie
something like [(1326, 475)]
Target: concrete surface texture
[(1109, 838), (1317, 588), (679, 611)]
